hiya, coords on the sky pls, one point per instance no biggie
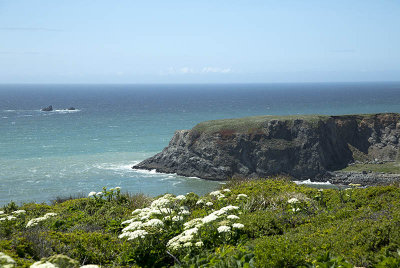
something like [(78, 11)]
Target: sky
[(218, 41)]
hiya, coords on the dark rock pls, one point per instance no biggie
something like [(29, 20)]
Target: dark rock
[(301, 148), (71, 109), (47, 109)]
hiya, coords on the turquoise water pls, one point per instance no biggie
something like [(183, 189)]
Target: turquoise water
[(44, 155)]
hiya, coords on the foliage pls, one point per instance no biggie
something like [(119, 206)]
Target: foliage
[(250, 223)]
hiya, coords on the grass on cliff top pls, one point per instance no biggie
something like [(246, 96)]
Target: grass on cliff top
[(388, 167), (250, 124)]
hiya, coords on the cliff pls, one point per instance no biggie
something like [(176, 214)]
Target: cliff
[(307, 146)]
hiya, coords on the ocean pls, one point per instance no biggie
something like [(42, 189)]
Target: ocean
[(45, 155)]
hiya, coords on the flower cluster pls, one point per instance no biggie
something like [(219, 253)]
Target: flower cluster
[(151, 219), (6, 261), (15, 214), (108, 195), (35, 221), (169, 214)]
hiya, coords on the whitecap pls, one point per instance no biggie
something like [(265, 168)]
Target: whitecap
[(66, 111), (116, 167), (5, 117), (312, 182), (147, 172)]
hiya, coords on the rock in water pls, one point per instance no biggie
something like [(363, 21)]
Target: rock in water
[(300, 146), (47, 109), (71, 109)]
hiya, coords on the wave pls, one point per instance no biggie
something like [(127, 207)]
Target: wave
[(116, 167), (313, 182), (65, 111)]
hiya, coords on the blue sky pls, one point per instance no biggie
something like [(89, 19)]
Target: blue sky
[(216, 41)]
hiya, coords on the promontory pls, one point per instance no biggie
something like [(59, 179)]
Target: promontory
[(300, 146)]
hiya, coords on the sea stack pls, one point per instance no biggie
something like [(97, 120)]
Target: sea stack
[(303, 146), (47, 109)]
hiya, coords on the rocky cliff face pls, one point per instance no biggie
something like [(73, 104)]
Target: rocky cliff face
[(302, 147)]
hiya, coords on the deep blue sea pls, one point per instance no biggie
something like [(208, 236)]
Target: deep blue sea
[(44, 155)]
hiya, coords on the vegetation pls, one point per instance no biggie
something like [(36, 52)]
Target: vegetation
[(259, 223), (386, 167), (251, 124)]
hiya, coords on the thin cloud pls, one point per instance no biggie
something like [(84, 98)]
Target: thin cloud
[(216, 70), (30, 29), (188, 70)]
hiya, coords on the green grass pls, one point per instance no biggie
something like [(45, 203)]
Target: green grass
[(256, 123), (251, 124), (387, 167)]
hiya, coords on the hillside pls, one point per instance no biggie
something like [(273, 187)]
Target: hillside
[(257, 223)]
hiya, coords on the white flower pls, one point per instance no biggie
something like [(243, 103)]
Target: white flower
[(200, 201), (1, 212), (233, 217), (50, 214), (133, 226), (112, 189), (99, 194), (226, 190), (35, 221), (167, 218), (239, 196), (127, 221), (181, 197), (136, 211), (154, 223), (224, 229), (293, 200), (161, 202), (215, 193), (192, 223), (295, 209), (199, 244), (187, 244), (220, 196), (237, 225), (184, 212), (209, 204), (40, 264), (209, 218), (177, 218), (92, 194), (19, 212), (10, 218), (146, 217), (90, 266), (229, 208), (6, 261), (180, 240), (191, 231), (166, 210), (117, 188), (134, 234)]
